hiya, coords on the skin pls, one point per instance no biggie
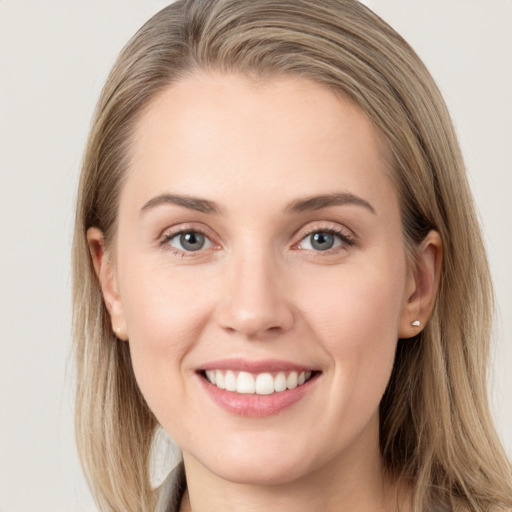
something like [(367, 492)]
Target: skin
[(259, 289)]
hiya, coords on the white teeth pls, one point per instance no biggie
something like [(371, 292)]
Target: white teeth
[(261, 384), (264, 384), (245, 383), (219, 379), (291, 381), (210, 374), (230, 381), (280, 382)]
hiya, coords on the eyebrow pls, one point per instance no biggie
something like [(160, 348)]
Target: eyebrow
[(323, 201), (297, 206), (193, 203)]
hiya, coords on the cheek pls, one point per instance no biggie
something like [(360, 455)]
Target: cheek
[(164, 317), (356, 306), (356, 319), (158, 308)]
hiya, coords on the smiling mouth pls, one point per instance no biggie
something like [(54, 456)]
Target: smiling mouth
[(265, 383)]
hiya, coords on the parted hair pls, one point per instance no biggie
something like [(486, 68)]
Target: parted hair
[(436, 431)]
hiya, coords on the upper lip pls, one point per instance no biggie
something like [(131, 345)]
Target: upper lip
[(255, 366)]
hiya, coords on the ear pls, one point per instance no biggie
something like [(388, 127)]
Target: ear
[(107, 278), (421, 286)]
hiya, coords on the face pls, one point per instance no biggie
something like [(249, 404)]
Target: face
[(260, 276)]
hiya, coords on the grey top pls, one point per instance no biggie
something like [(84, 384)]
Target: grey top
[(171, 491)]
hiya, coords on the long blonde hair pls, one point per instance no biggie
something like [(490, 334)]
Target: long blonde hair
[(436, 431)]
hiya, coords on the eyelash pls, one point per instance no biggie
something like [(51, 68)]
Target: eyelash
[(345, 238), (168, 236)]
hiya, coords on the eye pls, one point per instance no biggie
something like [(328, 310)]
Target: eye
[(188, 241), (320, 241), (323, 240)]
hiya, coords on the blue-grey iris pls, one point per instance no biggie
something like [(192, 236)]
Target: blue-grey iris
[(192, 241), (322, 241)]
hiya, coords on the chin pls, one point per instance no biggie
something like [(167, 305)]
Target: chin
[(265, 473), (261, 465)]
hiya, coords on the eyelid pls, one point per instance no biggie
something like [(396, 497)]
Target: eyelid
[(328, 226)]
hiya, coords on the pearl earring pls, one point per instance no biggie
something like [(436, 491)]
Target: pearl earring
[(416, 323)]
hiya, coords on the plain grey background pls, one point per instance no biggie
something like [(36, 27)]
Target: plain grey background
[(54, 58)]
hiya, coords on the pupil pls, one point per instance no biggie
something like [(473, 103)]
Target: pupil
[(322, 241), (192, 241)]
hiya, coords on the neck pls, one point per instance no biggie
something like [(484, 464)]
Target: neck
[(353, 483)]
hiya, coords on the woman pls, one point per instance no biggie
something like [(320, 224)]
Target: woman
[(272, 195)]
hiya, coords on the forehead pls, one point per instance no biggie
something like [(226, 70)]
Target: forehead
[(219, 134)]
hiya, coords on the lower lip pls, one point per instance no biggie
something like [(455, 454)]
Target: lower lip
[(253, 405)]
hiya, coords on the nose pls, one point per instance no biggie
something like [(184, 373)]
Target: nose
[(255, 301)]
